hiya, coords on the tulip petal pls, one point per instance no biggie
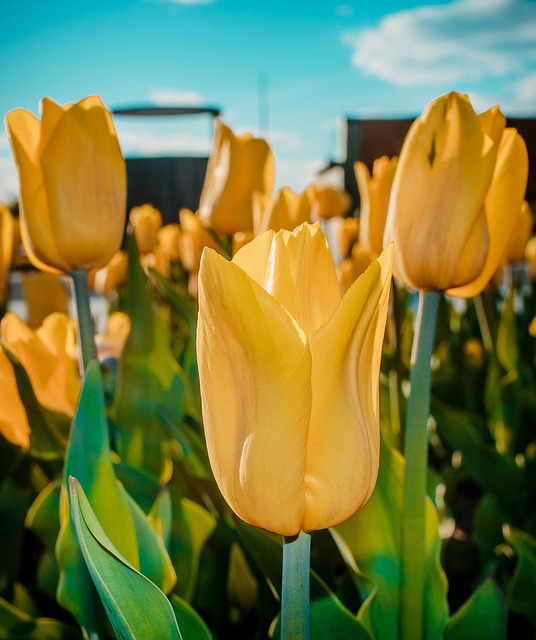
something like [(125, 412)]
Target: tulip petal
[(85, 180), (503, 207), (308, 287), (253, 257), (255, 375), (343, 446), (13, 421), (24, 131)]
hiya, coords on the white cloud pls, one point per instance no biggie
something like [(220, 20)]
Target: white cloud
[(464, 39), (164, 96), (526, 91)]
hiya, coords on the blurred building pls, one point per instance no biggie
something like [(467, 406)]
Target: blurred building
[(368, 139), (167, 182)]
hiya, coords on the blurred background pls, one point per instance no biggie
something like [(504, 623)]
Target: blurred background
[(305, 75)]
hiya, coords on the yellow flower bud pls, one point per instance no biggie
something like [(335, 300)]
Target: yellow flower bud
[(436, 216), (106, 280), (374, 192), (283, 209), (146, 221), (289, 375), (515, 251), (14, 425), (329, 202), (45, 293), (72, 181), (237, 167), (530, 257)]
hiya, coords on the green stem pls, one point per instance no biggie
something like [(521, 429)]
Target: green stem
[(295, 619), (86, 336), (416, 453)]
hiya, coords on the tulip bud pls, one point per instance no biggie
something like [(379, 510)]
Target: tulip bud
[(329, 202), (436, 216), (374, 192), (284, 209), (146, 221), (515, 251), (289, 377), (72, 181), (237, 167)]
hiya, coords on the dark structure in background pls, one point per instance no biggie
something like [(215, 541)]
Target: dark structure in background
[(168, 183), (367, 140)]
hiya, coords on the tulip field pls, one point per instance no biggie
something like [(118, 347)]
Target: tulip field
[(278, 416)]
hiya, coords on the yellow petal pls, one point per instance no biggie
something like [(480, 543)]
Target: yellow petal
[(13, 420), (44, 293), (253, 257), (255, 376), (503, 206), (308, 287), (7, 236), (444, 170), (515, 252), (343, 446), (24, 131), (85, 180)]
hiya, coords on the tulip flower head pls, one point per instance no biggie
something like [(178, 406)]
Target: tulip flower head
[(289, 375), (237, 167), (146, 221), (329, 202), (374, 191), (436, 216), (72, 182), (515, 251), (284, 209)]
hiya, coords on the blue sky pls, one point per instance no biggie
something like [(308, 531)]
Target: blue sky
[(287, 69)]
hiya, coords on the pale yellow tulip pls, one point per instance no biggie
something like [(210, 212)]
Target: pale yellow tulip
[(289, 375)]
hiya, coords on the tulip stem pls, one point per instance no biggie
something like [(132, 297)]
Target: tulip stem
[(416, 453), (86, 337), (295, 622)]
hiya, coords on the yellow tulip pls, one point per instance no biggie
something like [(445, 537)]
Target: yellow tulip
[(72, 182), (530, 257), (374, 192), (502, 206), (14, 425), (436, 216), (44, 293), (194, 238), (353, 266), (289, 375), (237, 167), (515, 251), (108, 278), (346, 235), (283, 209), (111, 342), (168, 239), (146, 221), (329, 202), (7, 237), (49, 358)]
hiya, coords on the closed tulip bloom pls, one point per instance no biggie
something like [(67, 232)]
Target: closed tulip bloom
[(329, 202), (168, 239), (7, 237), (48, 356), (72, 181), (530, 257), (436, 215), (502, 207), (45, 293), (283, 209), (289, 375), (237, 167), (146, 221), (374, 191)]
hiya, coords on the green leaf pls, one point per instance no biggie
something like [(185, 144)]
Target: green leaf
[(192, 525), (482, 616), (89, 460), (190, 623), (17, 625), (496, 474), (523, 585), (370, 543), (135, 606), (148, 377)]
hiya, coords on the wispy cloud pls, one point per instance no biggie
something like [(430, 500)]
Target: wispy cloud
[(465, 39), (142, 143), (165, 96)]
